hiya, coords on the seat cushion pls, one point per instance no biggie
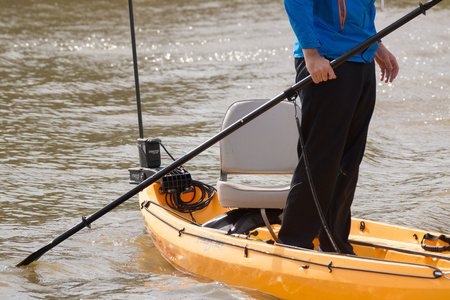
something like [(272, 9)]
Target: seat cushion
[(247, 196)]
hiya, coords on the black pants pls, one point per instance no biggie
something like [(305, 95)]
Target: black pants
[(335, 121)]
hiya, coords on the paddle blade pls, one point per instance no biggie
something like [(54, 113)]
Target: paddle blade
[(35, 255)]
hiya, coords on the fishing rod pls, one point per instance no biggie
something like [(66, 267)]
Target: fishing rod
[(86, 222)]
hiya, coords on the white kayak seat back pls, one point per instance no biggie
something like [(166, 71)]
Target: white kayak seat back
[(266, 145)]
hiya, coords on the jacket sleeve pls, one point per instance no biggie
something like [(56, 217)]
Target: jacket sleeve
[(300, 14)]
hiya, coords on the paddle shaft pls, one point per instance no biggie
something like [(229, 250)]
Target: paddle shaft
[(222, 134)]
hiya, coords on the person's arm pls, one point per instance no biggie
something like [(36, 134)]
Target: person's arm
[(387, 62), (301, 17), (300, 13)]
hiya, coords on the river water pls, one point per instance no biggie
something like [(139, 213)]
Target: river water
[(69, 128)]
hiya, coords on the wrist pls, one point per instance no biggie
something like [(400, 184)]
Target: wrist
[(311, 53)]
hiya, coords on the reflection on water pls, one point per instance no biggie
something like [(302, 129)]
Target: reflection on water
[(68, 129)]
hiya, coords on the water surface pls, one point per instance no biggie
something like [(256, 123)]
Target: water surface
[(68, 129)]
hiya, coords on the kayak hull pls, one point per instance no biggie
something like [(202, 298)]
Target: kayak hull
[(294, 273)]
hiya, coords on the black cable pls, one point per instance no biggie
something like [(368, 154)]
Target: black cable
[(173, 198), (175, 201)]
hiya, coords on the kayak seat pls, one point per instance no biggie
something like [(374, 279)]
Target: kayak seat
[(267, 145)]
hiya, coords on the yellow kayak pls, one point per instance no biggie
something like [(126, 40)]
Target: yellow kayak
[(390, 261), (229, 233)]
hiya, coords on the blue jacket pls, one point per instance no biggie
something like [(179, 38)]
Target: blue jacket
[(317, 24)]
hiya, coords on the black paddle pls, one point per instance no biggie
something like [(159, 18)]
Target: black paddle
[(286, 94)]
